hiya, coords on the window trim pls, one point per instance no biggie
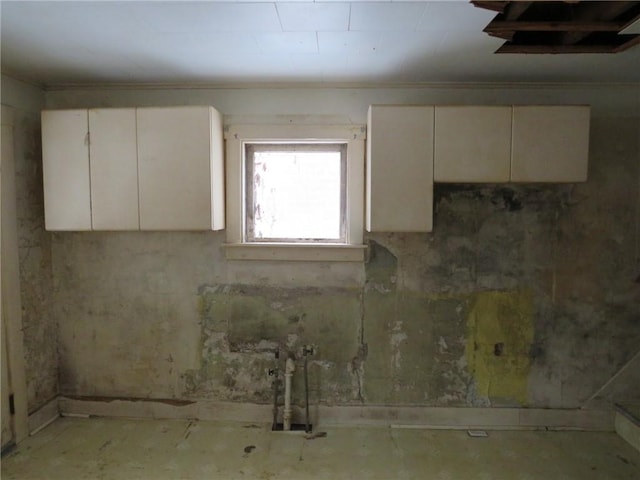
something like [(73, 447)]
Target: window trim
[(237, 136)]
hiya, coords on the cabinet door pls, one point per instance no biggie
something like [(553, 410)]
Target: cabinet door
[(217, 170), (550, 143), (65, 166), (400, 169), (174, 168), (472, 144), (114, 169)]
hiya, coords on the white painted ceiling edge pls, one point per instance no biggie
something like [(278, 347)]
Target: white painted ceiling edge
[(55, 43)]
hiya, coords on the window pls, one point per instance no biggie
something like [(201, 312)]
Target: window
[(295, 192)]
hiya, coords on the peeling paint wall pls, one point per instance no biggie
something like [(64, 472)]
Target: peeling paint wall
[(523, 295), (34, 245)]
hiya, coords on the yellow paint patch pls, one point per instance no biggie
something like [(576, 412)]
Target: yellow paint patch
[(506, 318)]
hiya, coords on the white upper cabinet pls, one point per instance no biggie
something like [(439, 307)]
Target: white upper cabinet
[(114, 169), (132, 169), (90, 169), (65, 166), (550, 143), (399, 176), (180, 157), (472, 144)]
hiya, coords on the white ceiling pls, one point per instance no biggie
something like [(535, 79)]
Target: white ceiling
[(328, 41)]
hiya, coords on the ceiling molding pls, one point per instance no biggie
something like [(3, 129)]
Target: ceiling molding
[(338, 86)]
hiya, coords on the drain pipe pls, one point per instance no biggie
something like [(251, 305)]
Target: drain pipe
[(289, 368)]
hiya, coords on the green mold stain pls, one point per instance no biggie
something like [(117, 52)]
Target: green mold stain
[(499, 338)]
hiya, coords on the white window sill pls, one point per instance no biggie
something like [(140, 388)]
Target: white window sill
[(295, 252)]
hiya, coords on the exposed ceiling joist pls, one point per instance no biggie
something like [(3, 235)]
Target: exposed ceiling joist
[(515, 9), (506, 26), (562, 26), (559, 49), (597, 11)]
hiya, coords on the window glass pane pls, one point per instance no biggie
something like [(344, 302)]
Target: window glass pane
[(297, 193)]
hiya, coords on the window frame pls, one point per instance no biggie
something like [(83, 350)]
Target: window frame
[(236, 246)]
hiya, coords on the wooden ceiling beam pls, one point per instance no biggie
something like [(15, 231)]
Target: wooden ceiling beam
[(556, 49), (497, 26), (627, 42), (514, 10), (598, 11), (607, 10), (568, 26), (631, 40), (509, 11), (503, 35)]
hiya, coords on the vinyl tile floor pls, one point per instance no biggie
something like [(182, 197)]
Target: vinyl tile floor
[(125, 449)]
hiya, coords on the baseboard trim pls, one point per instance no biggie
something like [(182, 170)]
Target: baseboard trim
[(396, 417), (44, 416), (466, 418)]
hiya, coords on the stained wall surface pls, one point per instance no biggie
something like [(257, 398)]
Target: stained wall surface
[(34, 245), (523, 295)]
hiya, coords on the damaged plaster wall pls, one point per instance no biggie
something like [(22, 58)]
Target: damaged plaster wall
[(523, 295), (34, 245)]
